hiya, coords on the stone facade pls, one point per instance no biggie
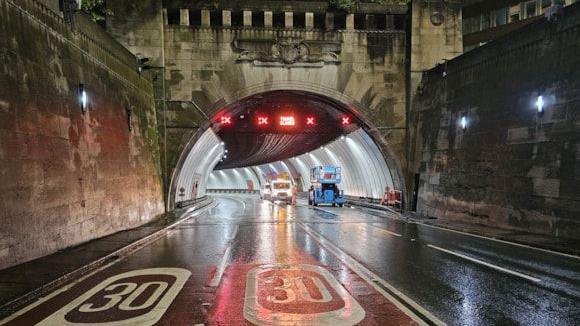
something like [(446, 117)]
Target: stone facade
[(511, 167), (68, 177)]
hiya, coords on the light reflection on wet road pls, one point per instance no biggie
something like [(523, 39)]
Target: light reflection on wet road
[(443, 273)]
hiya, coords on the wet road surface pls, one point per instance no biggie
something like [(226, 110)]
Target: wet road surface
[(248, 261)]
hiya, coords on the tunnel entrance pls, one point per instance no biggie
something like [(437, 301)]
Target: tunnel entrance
[(263, 135)]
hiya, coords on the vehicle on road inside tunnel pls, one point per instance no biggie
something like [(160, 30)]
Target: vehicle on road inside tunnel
[(324, 189), (266, 192), (281, 190)]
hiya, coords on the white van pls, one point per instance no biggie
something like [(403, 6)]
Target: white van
[(281, 190), (266, 192)]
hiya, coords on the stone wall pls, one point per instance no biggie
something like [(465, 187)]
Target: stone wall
[(511, 167), (204, 69), (68, 177)]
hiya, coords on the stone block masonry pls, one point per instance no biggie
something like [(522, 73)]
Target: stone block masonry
[(68, 177), (511, 167)]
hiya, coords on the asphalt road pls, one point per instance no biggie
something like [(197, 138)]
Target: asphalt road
[(248, 261)]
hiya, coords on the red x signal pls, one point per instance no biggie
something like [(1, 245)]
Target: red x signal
[(345, 120), (310, 121), (226, 120), (263, 120)]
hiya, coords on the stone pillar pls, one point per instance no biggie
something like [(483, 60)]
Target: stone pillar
[(268, 16), (329, 21), (309, 20), (164, 13), (288, 19), (247, 18), (184, 17), (226, 18), (350, 22), (205, 18)]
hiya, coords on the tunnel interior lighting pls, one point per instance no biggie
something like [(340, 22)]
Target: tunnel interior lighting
[(463, 123), (342, 137), (226, 120), (83, 98), (310, 121), (263, 120), (287, 121), (540, 104), (345, 120)]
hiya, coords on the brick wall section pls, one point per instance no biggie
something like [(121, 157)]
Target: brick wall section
[(67, 177), (510, 168)]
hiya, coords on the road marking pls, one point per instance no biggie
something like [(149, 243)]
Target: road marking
[(501, 269), (324, 210), (499, 240), (215, 281), (114, 301), (51, 295), (298, 294), (146, 241), (406, 304), (387, 231)]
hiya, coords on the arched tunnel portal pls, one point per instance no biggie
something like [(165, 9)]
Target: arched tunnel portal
[(285, 130)]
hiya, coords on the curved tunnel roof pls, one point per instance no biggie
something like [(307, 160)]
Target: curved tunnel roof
[(250, 143)]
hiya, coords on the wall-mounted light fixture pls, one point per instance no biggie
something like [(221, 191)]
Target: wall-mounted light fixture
[(540, 105), (463, 123), (83, 98), (142, 65)]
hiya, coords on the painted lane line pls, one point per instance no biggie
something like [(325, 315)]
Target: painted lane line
[(324, 210), (51, 295), (501, 269), (221, 269), (387, 231), (225, 259), (499, 240), (406, 304)]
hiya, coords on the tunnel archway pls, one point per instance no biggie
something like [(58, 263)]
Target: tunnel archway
[(246, 147)]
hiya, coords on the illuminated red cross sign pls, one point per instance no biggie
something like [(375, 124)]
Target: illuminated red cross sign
[(226, 120), (310, 121), (262, 120), (298, 295), (138, 297), (345, 120)]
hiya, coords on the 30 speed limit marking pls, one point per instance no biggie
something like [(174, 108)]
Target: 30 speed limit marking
[(298, 295), (139, 297)]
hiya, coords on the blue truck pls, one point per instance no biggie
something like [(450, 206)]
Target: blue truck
[(324, 189)]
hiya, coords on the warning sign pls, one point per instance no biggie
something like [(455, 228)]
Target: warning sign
[(298, 295)]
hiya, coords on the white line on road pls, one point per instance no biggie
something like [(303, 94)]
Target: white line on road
[(501, 269), (43, 299), (215, 281), (372, 279), (386, 231), (499, 240), (220, 271)]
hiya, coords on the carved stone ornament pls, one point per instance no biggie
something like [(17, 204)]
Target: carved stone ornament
[(287, 52)]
